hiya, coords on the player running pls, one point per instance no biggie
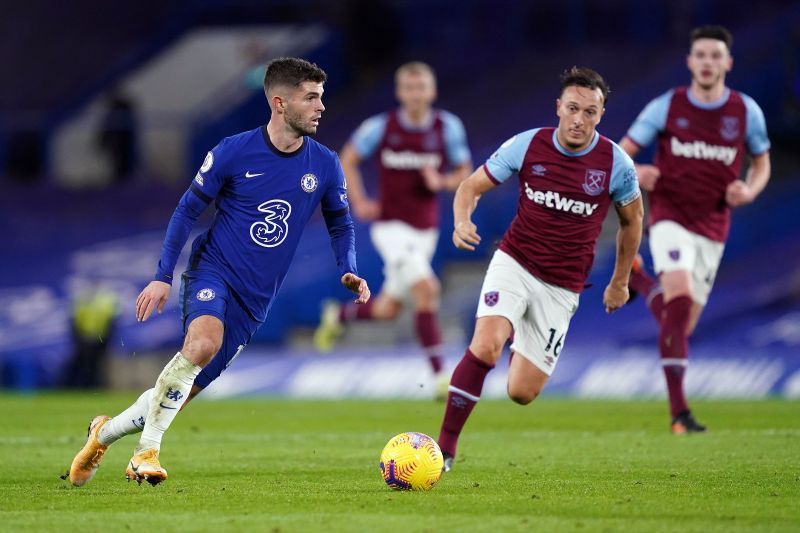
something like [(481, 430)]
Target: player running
[(265, 184), (414, 145), (704, 132), (569, 176)]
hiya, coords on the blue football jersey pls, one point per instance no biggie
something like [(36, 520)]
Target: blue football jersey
[(263, 199)]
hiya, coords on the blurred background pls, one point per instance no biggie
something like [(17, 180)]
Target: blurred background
[(108, 109)]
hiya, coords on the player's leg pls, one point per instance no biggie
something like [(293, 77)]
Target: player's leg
[(466, 383), (426, 324), (525, 380), (539, 338), (203, 340), (675, 254), (642, 283), (204, 299), (501, 305), (386, 305)]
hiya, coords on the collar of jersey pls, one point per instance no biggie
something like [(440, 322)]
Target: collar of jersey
[(403, 120), (721, 101), (275, 150), (566, 152)]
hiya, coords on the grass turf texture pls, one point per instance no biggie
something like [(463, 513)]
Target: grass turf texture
[(278, 465)]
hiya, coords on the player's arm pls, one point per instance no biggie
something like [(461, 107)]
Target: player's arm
[(458, 156), (446, 182), (465, 233), (642, 132), (744, 192), (648, 174), (336, 212), (629, 236), (155, 295)]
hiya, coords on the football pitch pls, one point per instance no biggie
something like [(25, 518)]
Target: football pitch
[(289, 465)]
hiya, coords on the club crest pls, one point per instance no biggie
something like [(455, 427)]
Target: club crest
[(205, 295), (594, 182), (309, 183), (674, 254), (491, 298), (729, 128)]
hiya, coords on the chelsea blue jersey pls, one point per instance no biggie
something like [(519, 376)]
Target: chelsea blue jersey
[(263, 199)]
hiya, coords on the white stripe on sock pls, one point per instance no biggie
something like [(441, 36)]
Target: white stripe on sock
[(655, 292), (465, 394), (674, 362), (433, 351)]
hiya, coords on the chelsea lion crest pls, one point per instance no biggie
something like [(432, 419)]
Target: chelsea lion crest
[(309, 182), (205, 295)]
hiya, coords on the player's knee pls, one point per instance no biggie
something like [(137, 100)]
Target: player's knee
[(487, 350), (427, 293), (200, 349), (523, 395), (386, 309)]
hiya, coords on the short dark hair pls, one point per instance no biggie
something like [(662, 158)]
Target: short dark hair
[(291, 72), (585, 77), (720, 33)]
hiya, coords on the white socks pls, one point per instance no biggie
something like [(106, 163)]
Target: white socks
[(131, 420), (171, 390)]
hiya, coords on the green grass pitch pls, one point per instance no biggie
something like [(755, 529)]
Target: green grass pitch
[(282, 465)]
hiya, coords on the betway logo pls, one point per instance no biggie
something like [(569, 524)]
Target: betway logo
[(701, 150), (553, 200), (408, 160)]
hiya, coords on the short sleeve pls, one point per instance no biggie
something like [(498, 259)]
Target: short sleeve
[(756, 132), (455, 140), (624, 185), (367, 137), (507, 160), (651, 120)]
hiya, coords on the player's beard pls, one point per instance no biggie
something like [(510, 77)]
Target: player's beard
[(295, 121)]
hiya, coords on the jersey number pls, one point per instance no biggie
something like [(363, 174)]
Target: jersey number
[(557, 347), (273, 230)]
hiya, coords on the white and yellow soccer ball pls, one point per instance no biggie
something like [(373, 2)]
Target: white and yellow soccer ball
[(411, 461)]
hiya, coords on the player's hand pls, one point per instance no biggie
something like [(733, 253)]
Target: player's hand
[(366, 210), (648, 176), (434, 180), (615, 296), (739, 193), (465, 236), (358, 286), (154, 296)]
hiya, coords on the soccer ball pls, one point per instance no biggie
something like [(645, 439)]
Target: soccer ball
[(411, 461)]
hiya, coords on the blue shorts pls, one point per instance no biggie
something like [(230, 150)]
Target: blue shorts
[(203, 292)]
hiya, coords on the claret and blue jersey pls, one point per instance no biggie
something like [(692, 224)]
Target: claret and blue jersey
[(564, 198), (263, 199)]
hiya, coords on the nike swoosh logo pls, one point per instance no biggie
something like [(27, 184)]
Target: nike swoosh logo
[(166, 406), (248, 175)]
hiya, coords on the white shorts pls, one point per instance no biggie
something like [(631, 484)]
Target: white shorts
[(675, 248), (406, 252), (539, 312)]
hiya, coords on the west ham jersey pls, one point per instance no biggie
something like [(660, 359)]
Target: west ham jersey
[(263, 199), (402, 151), (564, 198), (700, 152)]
